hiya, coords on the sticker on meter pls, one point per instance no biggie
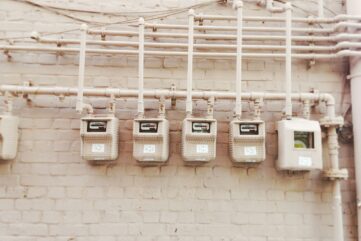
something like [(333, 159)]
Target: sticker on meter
[(305, 161), (250, 151), (148, 127), (201, 127), (201, 148), (98, 148), (149, 149)]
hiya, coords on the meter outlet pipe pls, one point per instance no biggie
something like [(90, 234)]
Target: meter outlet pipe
[(189, 103), (238, 108), (141, 69), (288, 63)]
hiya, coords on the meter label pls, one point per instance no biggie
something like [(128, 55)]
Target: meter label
[(250, 151), (202, 148), (148, 127), (248, 129), (98, 148), (305, 161), (149, 149), (201, 127), (97, 126)]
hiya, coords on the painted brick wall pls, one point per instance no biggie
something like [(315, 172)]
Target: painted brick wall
[(49, 194)]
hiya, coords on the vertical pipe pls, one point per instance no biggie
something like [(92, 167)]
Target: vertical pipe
[(238, 110), (288, 63), (320, 9), (141, 69), (189, 104), (79, 104), (354, 8)]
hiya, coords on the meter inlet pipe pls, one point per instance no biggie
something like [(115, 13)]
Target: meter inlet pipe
[(189, 104), (80, 106), (238, 110), (288, 63), (354, 8), (141, 69)]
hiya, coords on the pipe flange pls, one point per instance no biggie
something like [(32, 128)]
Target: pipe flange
[(334, 122), (336, 174)]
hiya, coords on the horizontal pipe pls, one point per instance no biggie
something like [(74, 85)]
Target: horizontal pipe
[(342, 53), (339, 37)]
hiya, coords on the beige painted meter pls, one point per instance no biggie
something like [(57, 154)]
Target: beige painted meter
[(99, 138), (151, 140), (247, 141), (299, 145), (199, 136), (9, 135)]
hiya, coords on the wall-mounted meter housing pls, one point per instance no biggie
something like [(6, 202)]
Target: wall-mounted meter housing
[(199, 138), (151, 140), (99, 138), (299, 145), (8, 136), (247, 141)]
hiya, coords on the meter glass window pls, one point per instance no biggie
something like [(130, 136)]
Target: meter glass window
[(248, 129), (97, 126), (304, 140), (201, 127), (148, 127)]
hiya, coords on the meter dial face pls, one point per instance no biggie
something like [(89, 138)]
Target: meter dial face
[(201, 127), (248, 129), (304, 140), (97, 126), (148, 127)]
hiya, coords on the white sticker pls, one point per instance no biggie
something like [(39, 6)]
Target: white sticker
[(202, 148), (149, 149), (305, 161), (98, 148), (250, 151)]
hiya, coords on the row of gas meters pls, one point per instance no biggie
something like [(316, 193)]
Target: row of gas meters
[(299, 145), (299, 141)]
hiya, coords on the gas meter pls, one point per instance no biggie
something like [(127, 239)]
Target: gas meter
[(299, 145), (151, 140), (199, 140), (8, 136), (247, 141), (99, 138)]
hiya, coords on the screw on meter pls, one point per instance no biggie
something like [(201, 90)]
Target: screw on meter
[(148, 127), (248, 129), (201, 127), (97, 126)]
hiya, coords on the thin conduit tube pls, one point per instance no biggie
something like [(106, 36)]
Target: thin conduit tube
[(320, 9), (79, 104), (288, 62), (141, 69), (189, 103), (342, 53), (239, 8)]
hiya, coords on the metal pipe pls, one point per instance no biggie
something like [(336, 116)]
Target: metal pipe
[(189, 103), (80, 106), (320, 8), (288, 61), (270, 7), (342, 53), (141, 69), (238, 109), (353, 8)]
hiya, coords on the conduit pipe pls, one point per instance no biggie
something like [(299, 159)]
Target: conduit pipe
[(238, 109), (141, 69), (189, 103), (320, 9), (270, 7), (339, 45), (288, 61), (354, 8), (80, 106), (339, 54)]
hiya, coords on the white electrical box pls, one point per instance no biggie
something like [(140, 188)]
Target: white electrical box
[(151, 141), (247, 141), (9, 135), (99, 138), (199, 136), (299, 145)]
